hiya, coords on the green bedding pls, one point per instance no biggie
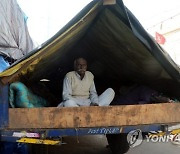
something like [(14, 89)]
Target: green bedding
[(22, 97)]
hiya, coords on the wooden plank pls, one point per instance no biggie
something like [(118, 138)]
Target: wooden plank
[(94, 116)]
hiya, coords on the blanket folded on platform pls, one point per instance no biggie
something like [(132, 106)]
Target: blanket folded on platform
[(22, 97)]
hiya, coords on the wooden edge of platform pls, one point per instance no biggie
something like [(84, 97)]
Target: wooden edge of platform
[(93, 116)]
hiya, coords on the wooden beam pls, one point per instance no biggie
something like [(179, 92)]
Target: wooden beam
[(109, 2), (94, 116)]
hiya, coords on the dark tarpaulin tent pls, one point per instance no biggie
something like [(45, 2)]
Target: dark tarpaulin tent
[(116, 46)]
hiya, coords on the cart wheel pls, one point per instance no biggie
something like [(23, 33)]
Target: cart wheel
[(118, 143)]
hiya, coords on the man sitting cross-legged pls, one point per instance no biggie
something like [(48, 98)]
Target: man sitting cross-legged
[(79, 88)]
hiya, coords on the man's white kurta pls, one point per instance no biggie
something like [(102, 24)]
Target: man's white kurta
[(77, 92)]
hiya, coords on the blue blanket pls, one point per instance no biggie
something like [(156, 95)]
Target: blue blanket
[(21, 97)]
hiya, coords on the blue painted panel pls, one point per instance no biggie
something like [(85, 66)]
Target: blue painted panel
[(143, 128), (9, 139), (12, 136), (83, 131), (4, 105)]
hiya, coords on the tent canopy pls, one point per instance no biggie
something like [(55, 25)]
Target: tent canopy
[(116, 46)]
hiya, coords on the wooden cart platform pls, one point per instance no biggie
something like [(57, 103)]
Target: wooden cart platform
[(93, 116)]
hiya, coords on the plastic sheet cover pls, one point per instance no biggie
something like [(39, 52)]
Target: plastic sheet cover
[(15, 41)]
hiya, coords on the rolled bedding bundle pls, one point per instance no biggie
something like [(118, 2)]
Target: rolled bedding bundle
[(22, 97)]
